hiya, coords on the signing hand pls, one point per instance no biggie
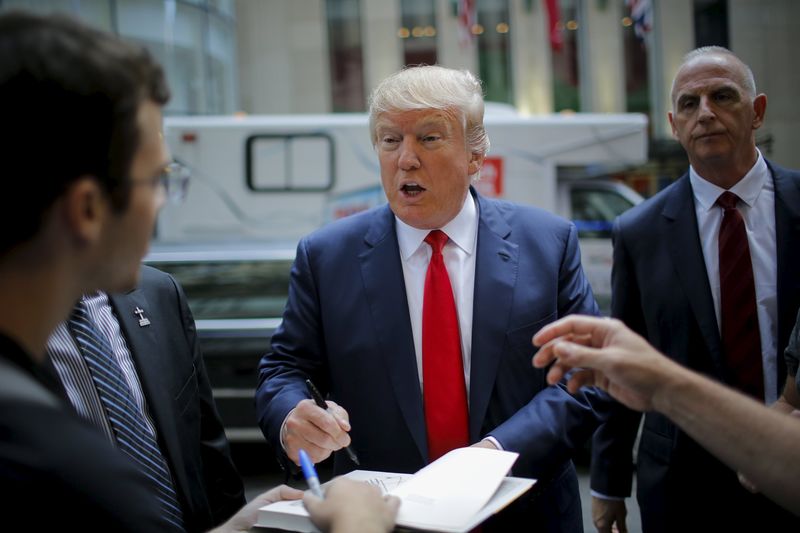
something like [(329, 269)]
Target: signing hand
[(317, 431)]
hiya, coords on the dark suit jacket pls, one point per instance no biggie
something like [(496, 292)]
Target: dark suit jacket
[(56, 471), (661, 290), (347, 327), (175, 384)]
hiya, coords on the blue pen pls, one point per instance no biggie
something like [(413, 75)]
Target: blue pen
[(311, 475)]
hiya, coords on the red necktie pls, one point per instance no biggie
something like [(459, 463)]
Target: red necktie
[(741, 340), (445, 394)]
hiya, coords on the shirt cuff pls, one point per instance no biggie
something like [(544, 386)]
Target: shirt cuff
[(606, 497), (283, 430), (494, 441)]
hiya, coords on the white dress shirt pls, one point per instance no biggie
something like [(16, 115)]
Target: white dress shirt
[(459, 258), (757, 192)]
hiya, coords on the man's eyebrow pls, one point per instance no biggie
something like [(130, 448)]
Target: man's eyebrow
[(382, 125), (436, 121)]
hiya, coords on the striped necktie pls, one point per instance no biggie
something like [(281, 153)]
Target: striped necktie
[(126, 420)]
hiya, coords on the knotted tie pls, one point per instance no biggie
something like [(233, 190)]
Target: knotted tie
[(126, 420), (445, 394), (741, 340)]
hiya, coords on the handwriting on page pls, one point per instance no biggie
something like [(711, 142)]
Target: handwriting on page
[(386, 484)]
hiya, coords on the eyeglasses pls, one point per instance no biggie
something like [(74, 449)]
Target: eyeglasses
[(175, 182), (172, 182)]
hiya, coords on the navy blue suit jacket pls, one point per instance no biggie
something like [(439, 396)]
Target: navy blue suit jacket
[(347, 327), (661, 290)]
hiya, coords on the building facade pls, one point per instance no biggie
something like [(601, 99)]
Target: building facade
[(542, 56)]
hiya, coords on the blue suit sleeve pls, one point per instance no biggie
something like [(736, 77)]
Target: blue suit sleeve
[(296, 354), (554, 424)]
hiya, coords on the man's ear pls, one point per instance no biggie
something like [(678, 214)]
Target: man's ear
[(672, 125), (475, 163), (85, 208), (759, 110)]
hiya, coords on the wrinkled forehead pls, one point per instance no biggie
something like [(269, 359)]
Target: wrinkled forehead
[(417, 118), (707, 73)]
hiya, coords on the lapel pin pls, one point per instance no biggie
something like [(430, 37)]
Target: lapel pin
[(143, 320)]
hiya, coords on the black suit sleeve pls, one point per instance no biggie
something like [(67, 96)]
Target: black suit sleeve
[(223, 486), (612, 444)]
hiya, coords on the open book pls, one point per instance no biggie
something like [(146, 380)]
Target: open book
[(453, 494)]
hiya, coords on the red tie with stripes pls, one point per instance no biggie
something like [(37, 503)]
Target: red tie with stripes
[(444, 390), (741, 340)]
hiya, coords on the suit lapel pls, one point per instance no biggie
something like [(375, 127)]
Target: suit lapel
[(683, 239), (787, 237), (380, 261), (495, 277), (143, 343)]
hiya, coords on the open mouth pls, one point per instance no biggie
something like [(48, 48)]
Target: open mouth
[(412, 189)]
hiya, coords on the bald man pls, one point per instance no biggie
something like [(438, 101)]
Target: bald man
[(706, 271)]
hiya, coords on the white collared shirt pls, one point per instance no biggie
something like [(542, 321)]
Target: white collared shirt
[(757, 192), (459, 258)]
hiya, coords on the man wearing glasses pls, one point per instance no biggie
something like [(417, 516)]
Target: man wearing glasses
[(151, 335)]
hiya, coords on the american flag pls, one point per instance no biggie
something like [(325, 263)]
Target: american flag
[(466, 19), (554, 24), (642, 16)]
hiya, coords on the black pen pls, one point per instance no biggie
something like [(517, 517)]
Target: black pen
[(320, 401)]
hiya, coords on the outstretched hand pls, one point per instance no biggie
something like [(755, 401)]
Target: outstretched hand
[(603, 352)]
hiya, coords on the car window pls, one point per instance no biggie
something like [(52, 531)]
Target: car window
[(232, 289), (594, 210)]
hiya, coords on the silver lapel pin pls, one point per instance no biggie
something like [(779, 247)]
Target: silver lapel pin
[(143, 320)]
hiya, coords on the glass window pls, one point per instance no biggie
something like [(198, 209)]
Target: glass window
[(94, 12), (175, 32), (225, 7), (222, 92), (594, 211), (290, 162), (711, 23), (494, 49), (566, 89), (346, 61), (418, 32)]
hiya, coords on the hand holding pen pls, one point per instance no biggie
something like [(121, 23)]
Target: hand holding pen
[(320, 401), (318, 429)]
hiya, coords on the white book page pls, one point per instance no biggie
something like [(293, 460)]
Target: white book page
[(450, 491), (455, 493)]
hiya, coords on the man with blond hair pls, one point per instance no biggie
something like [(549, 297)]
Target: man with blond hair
[(415, 317)]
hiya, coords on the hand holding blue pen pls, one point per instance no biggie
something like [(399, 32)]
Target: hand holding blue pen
[(310, 474), (320, 401)]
